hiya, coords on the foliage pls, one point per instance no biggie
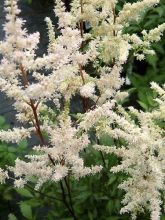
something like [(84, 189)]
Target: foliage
[(74, 145), (152, 69), (31, 204)]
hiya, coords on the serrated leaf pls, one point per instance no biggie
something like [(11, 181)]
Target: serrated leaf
[(143, 105), (112, 160), (159, 48), (26, 210), (24, 192), (34, 202), (112, 179), (12, 217), (142, 96), (3, 147), (131, 90), (137, 80), (152, 60), (23, 145), (12, 149), (11, 157), (106, 140), (160, 10), (7, 194), (83, 196)]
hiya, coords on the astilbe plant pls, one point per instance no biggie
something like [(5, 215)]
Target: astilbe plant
[(70, 58)]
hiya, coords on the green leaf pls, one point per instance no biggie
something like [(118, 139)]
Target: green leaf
[(2, 121), (82, 197), (112, 160), (159, 78), (160, 10), (110, 207), (106, 140), (3, 147), (12, 149), (117, 205), (131, 90), (90, 215), (11, 217), (143, 96), (22, 145), (11, 157), (163, 217), (26, 210), (34, 202), (143, 105), (112, 179), (137, 80), (152, 60), (113, 218), (29, 1), (24, 192), (159, 48), (7, 194), (67, 219)]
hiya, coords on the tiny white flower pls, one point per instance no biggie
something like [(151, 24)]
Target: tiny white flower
[(88, 90)]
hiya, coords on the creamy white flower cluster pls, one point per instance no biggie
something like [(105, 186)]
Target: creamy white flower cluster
[(142, 156), (59, 155), (110, 26), (67, 63), (3, 175), (142, 46), (65, 145), (15, 135), (142, 151)]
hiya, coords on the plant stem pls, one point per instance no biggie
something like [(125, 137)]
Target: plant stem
[(34, 110), (102, 156), (65, 201), (41, 193), (84, 99), (103, 159), (41, 137), (69, 195)]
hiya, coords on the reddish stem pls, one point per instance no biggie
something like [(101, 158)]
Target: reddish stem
[(34, 110)]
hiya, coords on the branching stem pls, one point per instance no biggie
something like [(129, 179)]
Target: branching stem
[(37, 126)]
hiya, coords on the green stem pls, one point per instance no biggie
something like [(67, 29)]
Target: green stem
[(65, 201), (69, 195)]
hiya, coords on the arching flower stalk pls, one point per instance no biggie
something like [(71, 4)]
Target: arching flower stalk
[(73, 60)]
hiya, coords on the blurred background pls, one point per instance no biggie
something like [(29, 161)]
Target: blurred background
[(100, 193)]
